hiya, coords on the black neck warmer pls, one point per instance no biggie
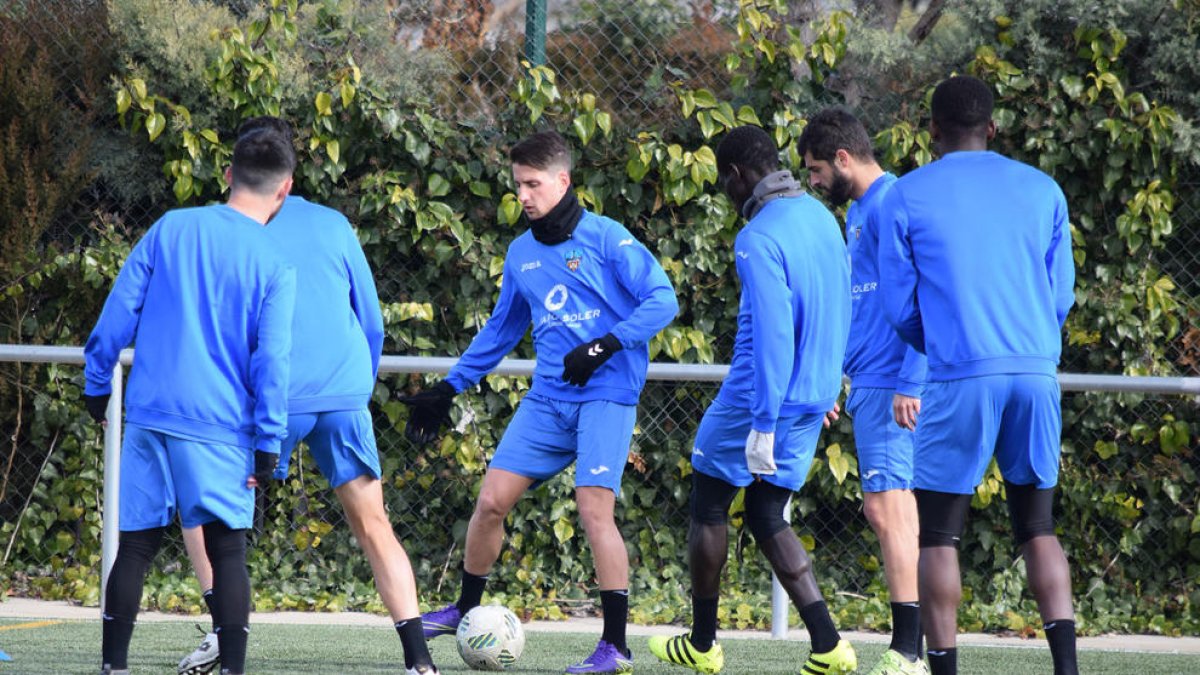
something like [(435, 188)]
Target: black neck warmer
[(556, 226)]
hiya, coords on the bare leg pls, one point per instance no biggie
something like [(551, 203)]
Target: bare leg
[(596, 506), (941, 591), (893, 516), (193, 541), (485, 533), (1049, 577), (362, 500)]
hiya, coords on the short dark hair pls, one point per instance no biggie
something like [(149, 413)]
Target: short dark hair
[(835, 129), (543, 150), (276, 124), (962, 103), (262, 159), (750, 148)]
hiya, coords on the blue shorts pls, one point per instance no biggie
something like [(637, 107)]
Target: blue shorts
[(163, 476), (1017, 418), (342, 443), (546, 435), (720, 447), (884, 448)]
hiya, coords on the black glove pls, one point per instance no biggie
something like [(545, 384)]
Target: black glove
[(264, 468), (581, 362), (427, 411), (97, 406)]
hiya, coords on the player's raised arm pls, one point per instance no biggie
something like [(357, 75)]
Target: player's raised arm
[(773, 334), (504, 329), (430, 409), (897, 274), (642, 277)]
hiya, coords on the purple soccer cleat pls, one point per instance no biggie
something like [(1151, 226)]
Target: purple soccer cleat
[(441, 622), (606, 659)]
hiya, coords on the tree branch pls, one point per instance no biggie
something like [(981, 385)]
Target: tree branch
[(928, 20)]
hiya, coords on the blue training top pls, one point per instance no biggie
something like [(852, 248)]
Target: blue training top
[(794, 314), (337, 330), (601, 280), (976, 266), (875, 354), (209, 303)]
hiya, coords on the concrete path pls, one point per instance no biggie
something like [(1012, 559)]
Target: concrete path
[(35, 610)]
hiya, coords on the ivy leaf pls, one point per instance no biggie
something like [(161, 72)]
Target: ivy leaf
[(155, 124), (563, 530), (438, 185), (509, 210), (838, 464), (324, 103)]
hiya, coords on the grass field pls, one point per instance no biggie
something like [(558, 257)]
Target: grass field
[(70, 647)]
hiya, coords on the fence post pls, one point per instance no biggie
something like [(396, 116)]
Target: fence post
[(111, 532), (779, 597), (535, 32)]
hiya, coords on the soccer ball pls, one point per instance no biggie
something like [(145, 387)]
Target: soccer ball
[(490, 638)]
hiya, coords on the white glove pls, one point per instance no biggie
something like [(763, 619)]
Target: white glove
[(760, 453)]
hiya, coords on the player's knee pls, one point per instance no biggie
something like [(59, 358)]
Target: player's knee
[(490, 508), (596, 516), (372, 527), (1031, 511), (710, 500), (877, 515), (942, 517), (764, 510)]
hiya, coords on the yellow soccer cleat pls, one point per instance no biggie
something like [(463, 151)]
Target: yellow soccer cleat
[(894, 663), (839, 660), (680, 651)]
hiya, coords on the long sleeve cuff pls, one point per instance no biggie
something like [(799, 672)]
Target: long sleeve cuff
[(910, 389)]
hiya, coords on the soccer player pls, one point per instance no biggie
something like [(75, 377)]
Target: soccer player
[(337, 340), (761, 431), (976, 272), (209, 303), (885, 374), (595, 296)]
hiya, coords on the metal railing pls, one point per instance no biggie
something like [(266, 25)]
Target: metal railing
[(1188, 386)]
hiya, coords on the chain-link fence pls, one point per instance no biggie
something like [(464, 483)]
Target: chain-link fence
[(1119, 515)]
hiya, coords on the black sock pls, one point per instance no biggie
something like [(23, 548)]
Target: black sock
[(704, 622), (226, 549), (821, 631), (412, 638), (615, 606), (117, 634), (232, 639), (906, 629), (208, 601), (943, 661), (1061, 636), (123, 594), (471, 593)]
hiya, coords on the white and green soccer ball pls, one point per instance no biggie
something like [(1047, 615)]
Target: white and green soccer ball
[(490, 637)]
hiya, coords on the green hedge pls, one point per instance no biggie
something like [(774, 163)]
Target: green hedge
[(431, 197)]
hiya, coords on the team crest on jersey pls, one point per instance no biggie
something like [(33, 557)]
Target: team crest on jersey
[(573, 257), (857, 232)]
